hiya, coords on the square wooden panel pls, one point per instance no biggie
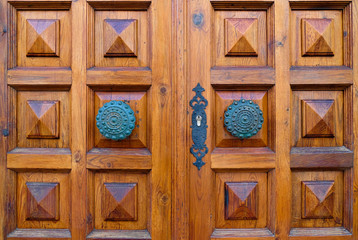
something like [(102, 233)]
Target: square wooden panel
[(224, 137), (121, 200), (44, 38), (43, 200), (241, 200), (317, 118), (42, 119), (317, 38), (317, 199), (138, 103), (121, 39), (240, 38)]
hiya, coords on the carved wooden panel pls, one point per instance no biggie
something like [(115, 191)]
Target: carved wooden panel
[(138, 103), (240, 38), (43, 119), (43, 38), (121, 39), (223, 100), (317, 118), (43, 200), (317, 38), (241, 200), (120, 200), (317, 199)]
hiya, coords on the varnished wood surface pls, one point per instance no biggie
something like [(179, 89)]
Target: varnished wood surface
[(177, 45), (36, 234)]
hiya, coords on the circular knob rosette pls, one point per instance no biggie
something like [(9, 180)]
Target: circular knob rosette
[(115, 120), (243, 119)]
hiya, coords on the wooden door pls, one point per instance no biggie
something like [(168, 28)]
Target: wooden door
[(293, 63), (62, 175)]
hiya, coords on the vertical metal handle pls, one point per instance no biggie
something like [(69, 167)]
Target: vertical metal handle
[(199, 126)]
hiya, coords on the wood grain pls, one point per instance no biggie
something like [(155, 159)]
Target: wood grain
[(250, 234), (55, 78), (119, 159), (320, 76), (124, 77), (37, 234), (119, 235), (242, 158), (39, 158), (327, 157), (229, 77)]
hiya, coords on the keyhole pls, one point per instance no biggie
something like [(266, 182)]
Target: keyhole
[(198, 120)]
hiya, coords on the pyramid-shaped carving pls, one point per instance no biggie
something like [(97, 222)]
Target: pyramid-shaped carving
[(318, 118), (42, 37), (317, 199), (119, 201), (241, 37), (42, 201), (241, 200), (317, 37), (120, 37), (42, 119)]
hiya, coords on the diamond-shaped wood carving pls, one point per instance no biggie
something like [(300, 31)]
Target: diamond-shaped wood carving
[(317, 37), (241, 36), (43, 37), (120, 37), (119, 202), (42, 119), (318, 118), (317, 199), (241, 200), (42, 201)]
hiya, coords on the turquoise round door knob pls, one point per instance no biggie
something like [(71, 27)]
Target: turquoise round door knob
[(115, 120), (243, 118)]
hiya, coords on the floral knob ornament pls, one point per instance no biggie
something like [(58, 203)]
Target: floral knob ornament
[(243, 118), (115, 120)]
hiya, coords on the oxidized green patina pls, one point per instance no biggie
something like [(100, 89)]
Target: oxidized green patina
[(243, 119), (115, 120)]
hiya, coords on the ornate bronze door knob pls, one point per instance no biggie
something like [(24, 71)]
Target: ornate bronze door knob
[(243, 118), (115, 120)]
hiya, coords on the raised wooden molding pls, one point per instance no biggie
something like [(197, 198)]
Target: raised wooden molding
[(317, 37), (42, 201), (318, 118), (120, 37), (119, 202), (241, 37), (317, 199), (241, 200), (43, 37)]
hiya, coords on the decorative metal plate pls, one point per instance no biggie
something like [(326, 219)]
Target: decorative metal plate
[(115, 120), (198, 126), (243, 119)]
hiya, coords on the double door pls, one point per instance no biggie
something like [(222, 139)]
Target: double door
[(178, 120)]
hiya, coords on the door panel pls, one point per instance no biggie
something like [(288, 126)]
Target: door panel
[(66, 177), (291, 177)]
